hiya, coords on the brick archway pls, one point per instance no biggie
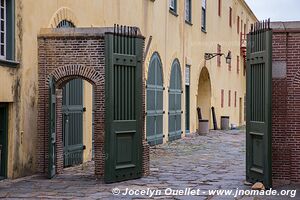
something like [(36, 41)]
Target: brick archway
[(63, 75), (66, 58)]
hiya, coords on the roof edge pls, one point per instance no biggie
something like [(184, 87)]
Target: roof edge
[(249, 9)]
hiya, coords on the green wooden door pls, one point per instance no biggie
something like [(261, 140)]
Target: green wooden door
[(3, 141), (72, 110), (52, 129), (123, 105), (175, 112), (154, 125), (259, 104)]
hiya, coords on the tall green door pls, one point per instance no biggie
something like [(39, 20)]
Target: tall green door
[(72, 110), (123, 104), (154, 127), (175, 92), (3, 140), (259, 106)]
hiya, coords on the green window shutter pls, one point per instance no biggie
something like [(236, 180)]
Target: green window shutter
[(175, 92), (10, 29), (154, 125)]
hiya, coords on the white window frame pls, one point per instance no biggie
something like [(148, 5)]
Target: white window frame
[(3, 31)]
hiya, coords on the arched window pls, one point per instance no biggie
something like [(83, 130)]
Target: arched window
[(65, 24), (154, 127), (175, 92)]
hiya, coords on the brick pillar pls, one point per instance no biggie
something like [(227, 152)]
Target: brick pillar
[(41, 117), (59, 133), (99, 129), (145, 145)]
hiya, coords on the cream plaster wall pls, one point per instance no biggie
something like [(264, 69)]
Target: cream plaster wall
[(172, 38)]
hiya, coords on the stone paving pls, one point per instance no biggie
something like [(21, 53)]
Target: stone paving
[(214, 161)]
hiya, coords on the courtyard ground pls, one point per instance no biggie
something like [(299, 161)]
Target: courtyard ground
[(211, 162)]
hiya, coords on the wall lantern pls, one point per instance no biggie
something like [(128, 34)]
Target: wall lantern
[(208, 56)]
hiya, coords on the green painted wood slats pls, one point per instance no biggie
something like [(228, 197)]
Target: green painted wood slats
[(259, 106)]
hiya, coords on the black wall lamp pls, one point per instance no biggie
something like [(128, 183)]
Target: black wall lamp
[(208, 56)]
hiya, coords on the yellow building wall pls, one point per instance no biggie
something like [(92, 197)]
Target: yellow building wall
[(172, 38), (87, 121)]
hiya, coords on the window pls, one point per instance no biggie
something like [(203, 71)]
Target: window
[(242, 26), (173, 6), (3, 29), (229, 65), (230, 16), (65, 24), (219, 7), (188, 11), (235, 94), (7, 30), (238, 64), (222, 98), (219, 57), (203, 17), (238, 24), (229, 98)]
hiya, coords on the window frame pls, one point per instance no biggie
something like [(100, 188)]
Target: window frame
[(222, 98), (238, 64), (229, 98), (203, 15), (219, 8), (4, 21), (173, 9), (230, 16), (235, 98), (238, 25), (219, 50), (188, 16), (9, 59)]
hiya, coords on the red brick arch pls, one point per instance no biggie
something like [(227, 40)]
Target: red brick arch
[(66, 73)]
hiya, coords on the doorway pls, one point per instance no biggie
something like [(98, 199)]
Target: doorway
[(204, 95), (240, 112), (3, 140)]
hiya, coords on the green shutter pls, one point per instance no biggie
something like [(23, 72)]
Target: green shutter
[(154, 121), (175, 112)]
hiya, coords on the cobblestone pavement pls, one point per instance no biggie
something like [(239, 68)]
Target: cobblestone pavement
[(214, 161)]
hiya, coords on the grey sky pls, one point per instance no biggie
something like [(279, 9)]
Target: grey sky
[(277, 10)]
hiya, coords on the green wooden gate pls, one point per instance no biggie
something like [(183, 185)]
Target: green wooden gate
[(52, 128), (154, 126), (3, 141), (123, 104), (72, 110), (175, 112), (259, 104)]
